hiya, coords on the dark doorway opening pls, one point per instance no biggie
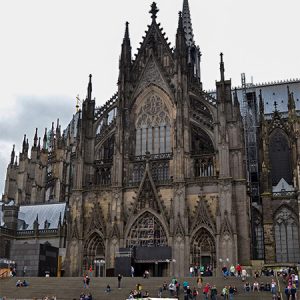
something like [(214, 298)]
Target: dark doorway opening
[(156, 269)]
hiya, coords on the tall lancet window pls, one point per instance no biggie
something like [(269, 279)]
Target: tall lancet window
[(280, 158), (286, 236), (153, 128)]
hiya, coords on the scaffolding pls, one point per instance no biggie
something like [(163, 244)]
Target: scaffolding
[(249, 111)]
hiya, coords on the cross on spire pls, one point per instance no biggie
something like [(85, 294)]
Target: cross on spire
[(154, 10)]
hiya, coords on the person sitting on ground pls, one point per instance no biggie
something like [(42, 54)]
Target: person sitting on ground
[(232, 270), (146, 294), (247, 287), (25, 283), (82, 295), (268, 287), (172, 289), (88, 297), (165, 285), (131, 295), (244, 274), (19, 283), (262, 286), (225, 272), (255, 286), (146, 274), (256, 274), (108, 289)]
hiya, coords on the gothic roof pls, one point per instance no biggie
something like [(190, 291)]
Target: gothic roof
[(44, 212)]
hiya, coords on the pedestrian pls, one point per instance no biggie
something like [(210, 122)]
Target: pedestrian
[(84, 281), (24, 271), (213, 293), (160, 290), (206, 290), (238, 269), (87, 281), (199, 282), (91, 270), (132, 271), (119, 281), (191, 271), (194, 293), (231, 292)]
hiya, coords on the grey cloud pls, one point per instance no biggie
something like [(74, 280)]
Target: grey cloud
[(31, 112)]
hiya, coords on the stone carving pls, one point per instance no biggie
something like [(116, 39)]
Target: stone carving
[(151, 75), (179, 229), (202, 216)]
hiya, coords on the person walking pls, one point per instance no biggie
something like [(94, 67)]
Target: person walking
[(231, 292), (132, 271), (119, 281), (213, 293)]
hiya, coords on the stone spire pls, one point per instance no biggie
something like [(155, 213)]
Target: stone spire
[(24, 144), (222, 69), (45, 140), (12, 156), (89, 89), (125, 60), (180, 39), (35, 139), (261, 104), (187, 23), (291, 100)]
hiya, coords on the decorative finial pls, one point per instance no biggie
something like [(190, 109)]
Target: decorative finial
[(126, 30), (154, 10), (89, 90), (222, 69), (275, 105)]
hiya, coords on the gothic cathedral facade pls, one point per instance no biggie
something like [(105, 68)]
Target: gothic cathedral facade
[(158, 170), (161, 164)]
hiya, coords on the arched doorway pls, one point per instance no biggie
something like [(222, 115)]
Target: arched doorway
[(94, 255), (148, 239), (203, 250)]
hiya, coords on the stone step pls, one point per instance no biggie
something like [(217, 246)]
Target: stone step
[(71, 287)]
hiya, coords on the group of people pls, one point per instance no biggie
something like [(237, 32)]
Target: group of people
[(237, 271), (138, 293), (200, 270), (292, 281)]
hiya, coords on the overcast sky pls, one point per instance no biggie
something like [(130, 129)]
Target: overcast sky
[(48, 49)]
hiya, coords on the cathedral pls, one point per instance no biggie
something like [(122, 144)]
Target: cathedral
[(156, 177)]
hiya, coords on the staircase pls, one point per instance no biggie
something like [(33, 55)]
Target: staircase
[(69, 288)]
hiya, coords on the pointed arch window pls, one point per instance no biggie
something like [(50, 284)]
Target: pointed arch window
[(201, 142), (258, 237), (286, 236), (147, 231), (280, 158), (153, 128), (203, 250)]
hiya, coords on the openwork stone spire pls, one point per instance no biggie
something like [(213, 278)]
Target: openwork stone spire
[(187, 24)]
